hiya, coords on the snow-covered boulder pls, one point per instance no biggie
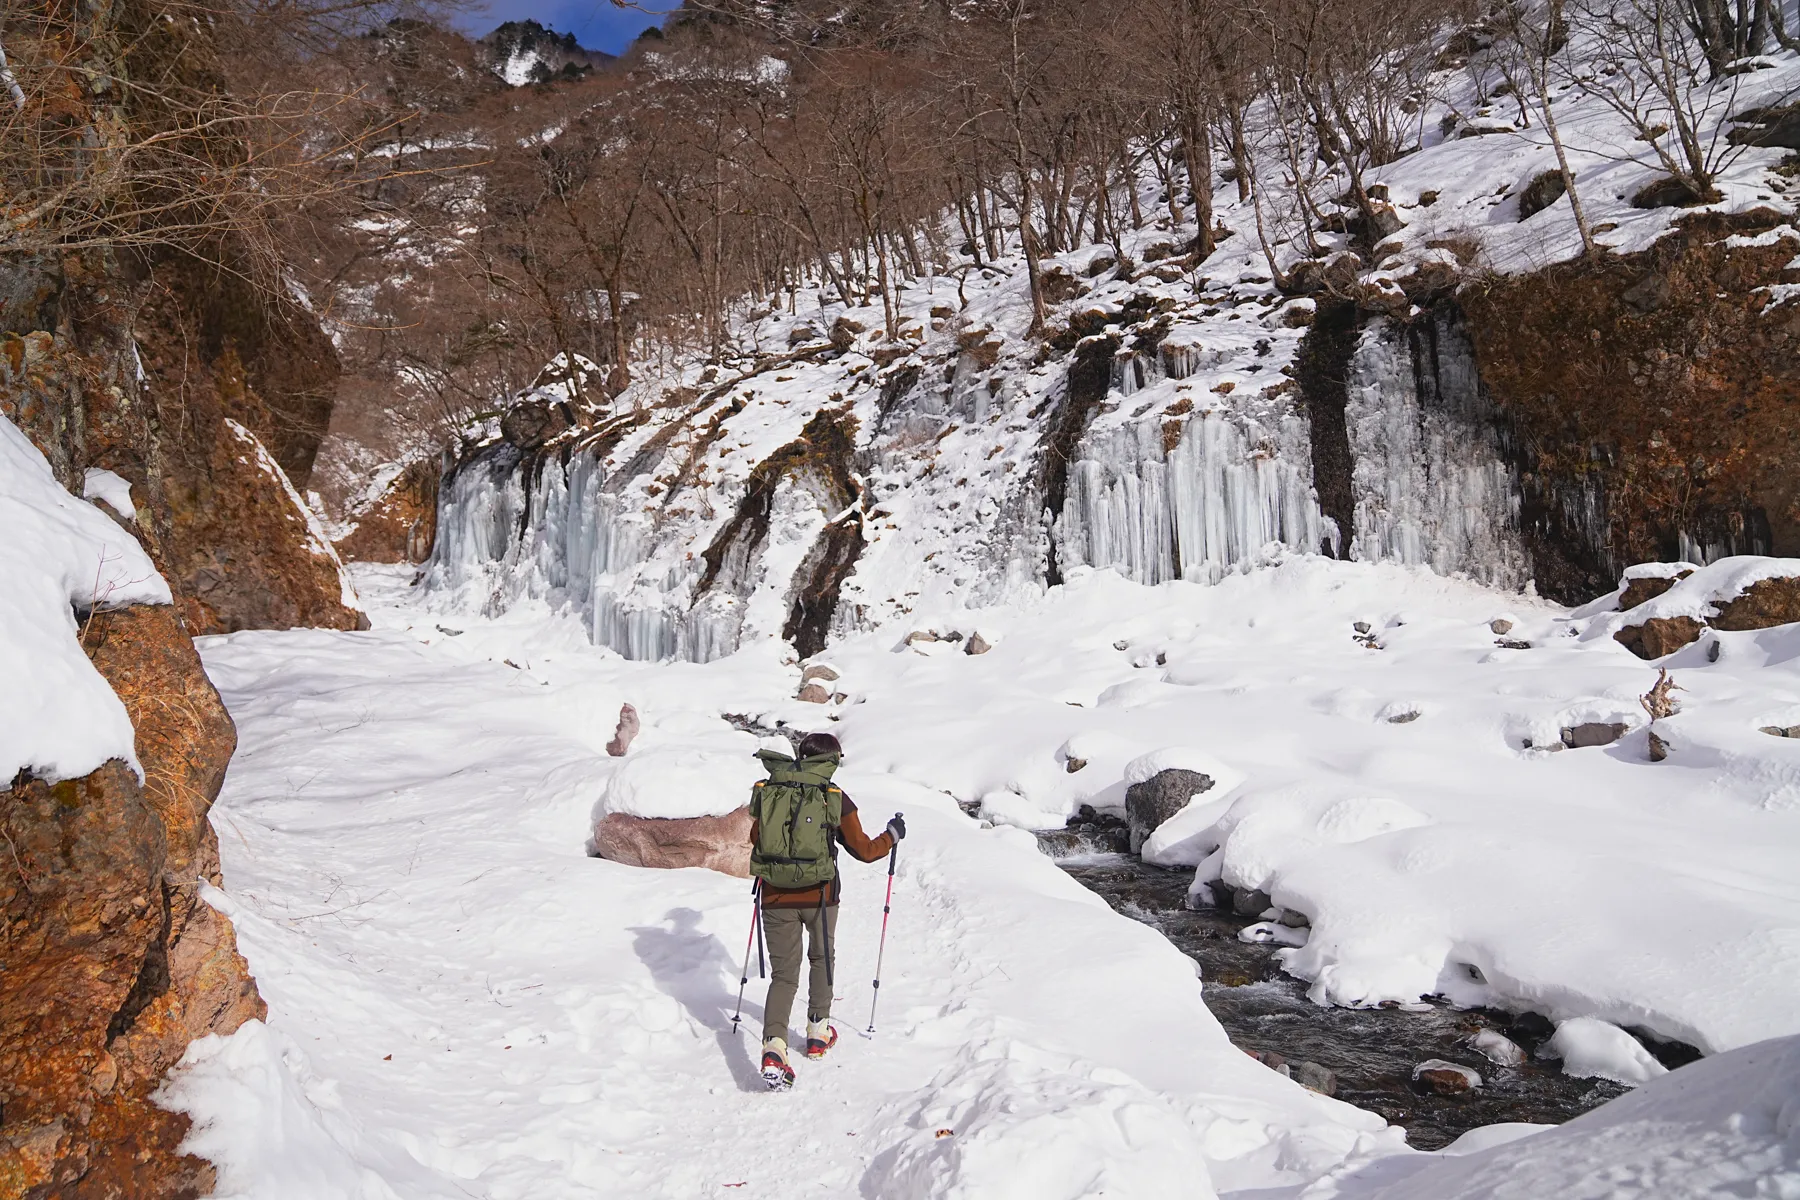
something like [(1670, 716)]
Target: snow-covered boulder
[(1591, 1048), (717, 843), (678, 806), (1668, 605), (1154, 800)]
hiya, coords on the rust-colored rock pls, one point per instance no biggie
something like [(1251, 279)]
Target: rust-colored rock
[(1763, 605), (1445, 1080), (82, 899), (1659, 636), (185, 740), (213, 512), (402, 525), (1653, 397), (113, 963), (717, 843), (246, 558), (1637, 591), (815, 693)]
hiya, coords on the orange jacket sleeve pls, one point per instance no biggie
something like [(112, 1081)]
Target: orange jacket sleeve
[(858, 843)]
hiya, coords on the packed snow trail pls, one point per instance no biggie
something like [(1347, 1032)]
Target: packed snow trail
[(462, 1003)]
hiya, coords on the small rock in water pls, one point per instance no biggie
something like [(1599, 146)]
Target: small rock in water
[(1593, 733), (1497, 1048), (1442, 1078), (1312, 1076), (1533, 1027), (1249, 903), (1500, 625), (1272, 1060)]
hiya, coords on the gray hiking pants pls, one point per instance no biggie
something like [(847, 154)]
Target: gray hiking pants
[(782, 928)]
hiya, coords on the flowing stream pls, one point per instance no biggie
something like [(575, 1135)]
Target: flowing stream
[(1369, 1053)]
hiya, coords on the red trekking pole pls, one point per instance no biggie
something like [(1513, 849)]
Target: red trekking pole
[(887, 906), (755, 922)]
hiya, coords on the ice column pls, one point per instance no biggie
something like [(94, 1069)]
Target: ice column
[(1431, 487), (565, 540), (1231, 485)]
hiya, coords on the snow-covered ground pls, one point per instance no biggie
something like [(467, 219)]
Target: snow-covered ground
[(463, 1004)]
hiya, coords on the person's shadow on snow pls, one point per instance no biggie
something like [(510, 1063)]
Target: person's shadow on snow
[(688, 966)]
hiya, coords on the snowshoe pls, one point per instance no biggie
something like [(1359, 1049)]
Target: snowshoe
[(775, 1070), (820, 1037)]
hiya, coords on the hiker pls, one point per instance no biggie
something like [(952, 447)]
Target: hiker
[(798, 819)]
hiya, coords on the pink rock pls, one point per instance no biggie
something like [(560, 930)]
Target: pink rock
[(623, 735), (717, 843)]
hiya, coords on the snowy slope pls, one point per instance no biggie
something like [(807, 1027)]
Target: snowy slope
[(461, 1003)]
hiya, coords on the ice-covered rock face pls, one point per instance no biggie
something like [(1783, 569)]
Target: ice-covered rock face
[(855, 481), (1430, 483)]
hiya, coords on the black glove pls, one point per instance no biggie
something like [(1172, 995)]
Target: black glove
[(897, 827)]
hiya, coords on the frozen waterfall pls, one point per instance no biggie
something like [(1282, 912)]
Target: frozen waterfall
[(513, 526), (1228, 487), (1430, 484)]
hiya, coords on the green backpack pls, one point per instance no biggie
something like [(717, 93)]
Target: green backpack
[(797, 811)]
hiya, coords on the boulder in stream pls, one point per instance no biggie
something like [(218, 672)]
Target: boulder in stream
[(1442, 1078), (1312, 1076), (1156, 799)]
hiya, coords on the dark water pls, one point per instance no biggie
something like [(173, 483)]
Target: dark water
[(1370, 1053)]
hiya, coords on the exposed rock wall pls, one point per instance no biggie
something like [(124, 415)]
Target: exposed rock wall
[(401, 526), (230, 540), (113, 962), (174, 371), (1656, 399)]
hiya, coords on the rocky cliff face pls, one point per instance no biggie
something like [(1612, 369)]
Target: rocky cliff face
[(1653, 398), (401, 524), (177, 397), (113, 960), (208, 397), (1546, 428)]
